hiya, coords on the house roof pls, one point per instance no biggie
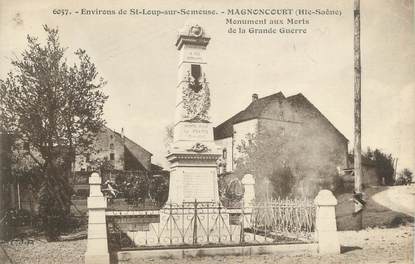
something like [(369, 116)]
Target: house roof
[(256, 108), (155, 167), (253, 111), (302, 100)]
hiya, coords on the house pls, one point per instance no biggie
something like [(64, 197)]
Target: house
[(114, 154), (370, 176), (15, 165), (117, 149), (314, 147), (111, 152)]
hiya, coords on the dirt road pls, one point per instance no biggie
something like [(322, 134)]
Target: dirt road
[(398, 198), (376, 245)]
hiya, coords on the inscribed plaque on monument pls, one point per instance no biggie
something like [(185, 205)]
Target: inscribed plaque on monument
[(194, 131), (192, 55), (198, 184)]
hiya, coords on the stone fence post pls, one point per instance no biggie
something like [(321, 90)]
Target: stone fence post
[(97, 245), (326, 227), (249, 182)]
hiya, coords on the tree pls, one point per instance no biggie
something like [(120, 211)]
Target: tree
[(383, 164), (55, 109), (263, 155)]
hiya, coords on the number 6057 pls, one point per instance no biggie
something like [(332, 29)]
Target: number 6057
[(60, 11)]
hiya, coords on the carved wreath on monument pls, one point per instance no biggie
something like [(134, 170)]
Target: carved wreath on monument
[(196, 31), (199, 147), (196, 99)]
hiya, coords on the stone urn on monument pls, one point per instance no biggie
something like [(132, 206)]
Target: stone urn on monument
[(193, 153)]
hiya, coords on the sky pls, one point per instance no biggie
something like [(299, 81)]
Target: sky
[(136, 55)]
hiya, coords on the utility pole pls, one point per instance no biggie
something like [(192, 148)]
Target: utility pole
[(395, 169), (358, 197)]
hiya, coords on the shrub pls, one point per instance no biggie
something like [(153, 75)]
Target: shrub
[(404, 178), (159, 188), (14, 218)]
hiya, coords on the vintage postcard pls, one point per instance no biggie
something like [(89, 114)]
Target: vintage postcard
[(207, 131)]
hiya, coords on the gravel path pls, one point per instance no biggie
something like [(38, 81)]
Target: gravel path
[(377, 245), (42, 252)]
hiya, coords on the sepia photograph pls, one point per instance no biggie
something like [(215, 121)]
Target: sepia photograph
[(184, 131)]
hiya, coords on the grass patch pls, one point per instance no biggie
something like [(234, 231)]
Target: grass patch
[(374, 214)]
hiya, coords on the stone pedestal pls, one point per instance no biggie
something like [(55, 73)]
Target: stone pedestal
[(193, 172), (97, 245), (326, 228)]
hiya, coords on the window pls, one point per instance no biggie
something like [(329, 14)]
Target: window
[(112, 156), (111, 146), (224, 153), (111, 137)]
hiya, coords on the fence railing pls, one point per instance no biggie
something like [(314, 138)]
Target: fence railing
[(198, 224), (293, 218)]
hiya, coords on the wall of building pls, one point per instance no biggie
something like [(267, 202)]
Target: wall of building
[(240, 131), (370, 177), (107, 146), (318, 150), (227, 146), (281, 110)]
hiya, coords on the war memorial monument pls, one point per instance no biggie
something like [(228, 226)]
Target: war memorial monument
[(193, 153)]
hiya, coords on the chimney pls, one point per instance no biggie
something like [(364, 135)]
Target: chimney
[(122, 133), (254, 97)]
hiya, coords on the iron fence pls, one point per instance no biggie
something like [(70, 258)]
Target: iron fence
[(290, 218), (200, 224)]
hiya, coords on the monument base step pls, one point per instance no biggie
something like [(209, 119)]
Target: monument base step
[(249, 250)]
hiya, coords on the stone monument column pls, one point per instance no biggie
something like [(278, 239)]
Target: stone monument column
[(193, 153)]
